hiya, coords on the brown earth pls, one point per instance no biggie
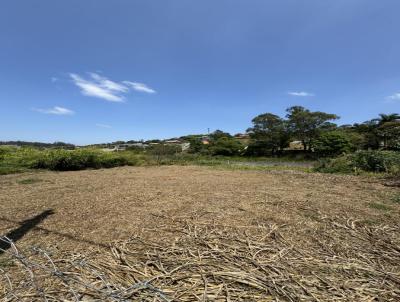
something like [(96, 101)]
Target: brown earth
[(104, 205), (92, 209)]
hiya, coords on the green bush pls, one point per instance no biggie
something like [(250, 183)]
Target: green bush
[(16, 160), (64, 160), (378, 161), (368, 161), (226, 146), (332, 144)]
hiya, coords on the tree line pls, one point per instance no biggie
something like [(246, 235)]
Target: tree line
[(315, 131)]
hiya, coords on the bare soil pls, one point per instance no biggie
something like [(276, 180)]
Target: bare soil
[(326, 215)]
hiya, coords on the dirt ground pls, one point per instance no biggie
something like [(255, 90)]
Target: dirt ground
[(101, 206), (90, 209)]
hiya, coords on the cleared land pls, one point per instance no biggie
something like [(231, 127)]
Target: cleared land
[(202, 234)]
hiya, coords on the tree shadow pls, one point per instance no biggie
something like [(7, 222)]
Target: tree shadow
[(25, 227), (32, 224)]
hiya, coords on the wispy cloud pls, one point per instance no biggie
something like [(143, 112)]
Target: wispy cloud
[(53, 79), (394, 97), (103, 88), (55, 110), (96, 88), (139, 87), (300, 93), (103, 126)]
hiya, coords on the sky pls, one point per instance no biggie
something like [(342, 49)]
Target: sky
[(104, 70)]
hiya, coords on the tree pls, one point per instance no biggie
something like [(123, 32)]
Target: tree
[(269, 131), (306, 125), (369, 133), (196, 146), (388, 129), (333, 143), (385, 118), (389, 132), (217, 134), (383, 131), (227, 146)]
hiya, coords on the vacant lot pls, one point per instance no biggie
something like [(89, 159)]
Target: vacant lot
[(269, 235)]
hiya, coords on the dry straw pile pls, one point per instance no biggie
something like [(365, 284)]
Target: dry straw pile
[(346, 261)]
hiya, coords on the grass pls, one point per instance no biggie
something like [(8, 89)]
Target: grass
[(235, 167), (28, 181), (379, 206), (25, 159), (396, 198), (4, 170), (13, 160), (236, 163)]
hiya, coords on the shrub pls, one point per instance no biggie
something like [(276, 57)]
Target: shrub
[(332, 144), (226, 146), (369, 161), (341, 164), (64, 160), (378, 161)]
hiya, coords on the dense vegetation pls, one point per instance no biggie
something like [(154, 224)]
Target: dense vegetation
[(58, 145), (314, 132), (15, 160), (360, 161), (372, 146)]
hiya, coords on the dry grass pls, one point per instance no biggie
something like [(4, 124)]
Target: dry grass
[(200, 234)]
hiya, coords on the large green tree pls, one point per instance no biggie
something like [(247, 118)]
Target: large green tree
[(333, 143), (269, 131), (307, 126), (388, 130), (383, 131)]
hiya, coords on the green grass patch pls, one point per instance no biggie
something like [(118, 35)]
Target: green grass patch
[(14, 160), (396, 198), (11, 170), (379, 206), (28, 181)]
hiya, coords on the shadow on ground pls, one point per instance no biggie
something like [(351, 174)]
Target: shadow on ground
[(25, 227)]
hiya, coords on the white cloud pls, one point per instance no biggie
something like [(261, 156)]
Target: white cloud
[(103, 126), (103, 88), (300, 93), (394, 97), (53, 79), (108, 84), (96, 88), (56, 110), (140, 87)]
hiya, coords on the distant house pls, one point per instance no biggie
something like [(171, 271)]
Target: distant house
[(123, 147), (242, 136), (173, 142), (205, 140), (295, 145)]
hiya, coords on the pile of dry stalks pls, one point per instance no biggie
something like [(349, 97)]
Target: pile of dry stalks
[(344, 261)]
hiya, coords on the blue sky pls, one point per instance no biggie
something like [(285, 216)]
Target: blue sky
[(95, 70)]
